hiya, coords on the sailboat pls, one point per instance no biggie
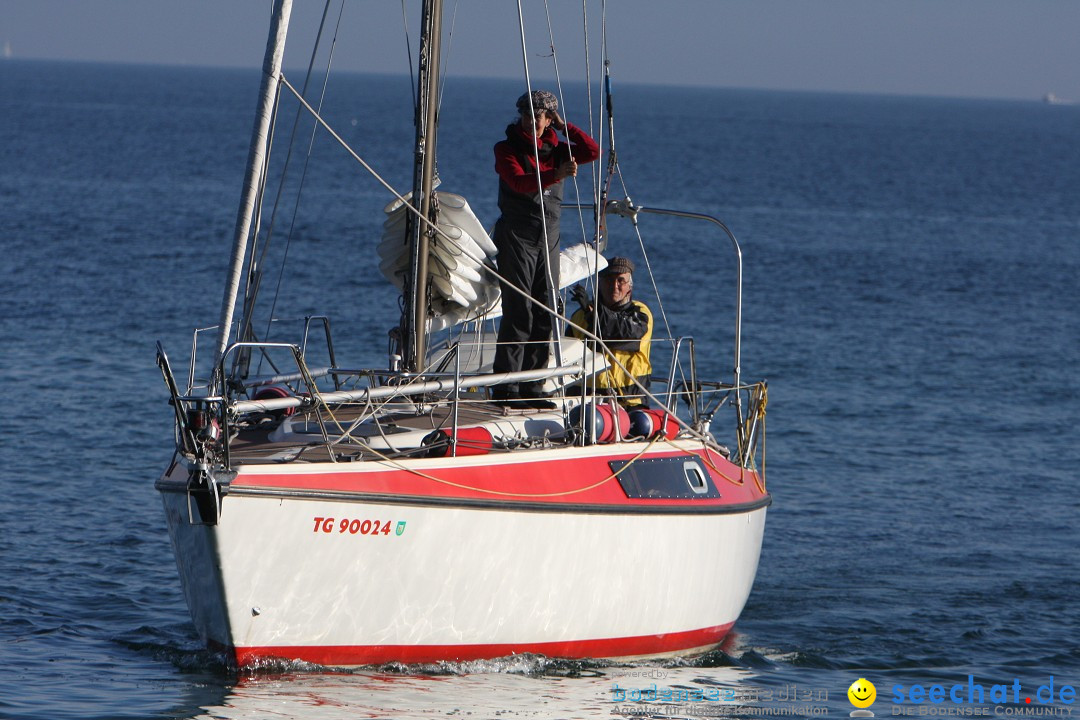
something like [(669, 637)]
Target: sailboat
[(346, 516)]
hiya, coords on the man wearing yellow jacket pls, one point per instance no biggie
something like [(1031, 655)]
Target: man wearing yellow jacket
[(624, 324)]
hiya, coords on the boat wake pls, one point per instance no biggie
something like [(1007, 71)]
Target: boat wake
[(189, 656)]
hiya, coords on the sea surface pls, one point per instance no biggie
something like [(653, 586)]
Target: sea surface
[(912, 296)]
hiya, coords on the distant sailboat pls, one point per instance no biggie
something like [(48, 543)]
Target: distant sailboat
[(7, 49)]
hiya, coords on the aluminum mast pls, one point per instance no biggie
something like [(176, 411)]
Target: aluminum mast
[(414, 332)]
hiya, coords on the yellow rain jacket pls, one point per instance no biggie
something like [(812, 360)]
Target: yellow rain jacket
[(627, 331)]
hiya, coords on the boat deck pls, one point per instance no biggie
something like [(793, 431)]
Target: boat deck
[(353, 434)]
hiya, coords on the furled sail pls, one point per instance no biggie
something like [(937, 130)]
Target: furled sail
[(458, 254), (461, 289)]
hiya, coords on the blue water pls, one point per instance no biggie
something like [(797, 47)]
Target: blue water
[(911, 296)]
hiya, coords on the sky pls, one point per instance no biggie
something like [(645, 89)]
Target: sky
[(1010, 49)]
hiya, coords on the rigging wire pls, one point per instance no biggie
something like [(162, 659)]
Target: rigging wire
[(444, 62), (601, 194), (553, 291), (599, 135), (645, 256), (254, 267), (301, 96), (310, 71), (307, 157), (408, 51), (614, 169), (617, 170), (592, 279), (565, 113), (539, 305)]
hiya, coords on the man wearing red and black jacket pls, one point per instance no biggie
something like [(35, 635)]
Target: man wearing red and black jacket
[(527, 235)]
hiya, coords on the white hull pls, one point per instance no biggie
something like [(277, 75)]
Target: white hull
[(300, 577)]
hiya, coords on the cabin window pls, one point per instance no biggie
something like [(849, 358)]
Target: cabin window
[(695, 477)]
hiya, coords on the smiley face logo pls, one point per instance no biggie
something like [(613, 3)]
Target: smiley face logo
[(862, 693)]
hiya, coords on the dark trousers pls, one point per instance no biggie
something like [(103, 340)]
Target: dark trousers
[(526, 328)]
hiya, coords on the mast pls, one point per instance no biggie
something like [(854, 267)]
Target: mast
[(275, 49), (414, 331)]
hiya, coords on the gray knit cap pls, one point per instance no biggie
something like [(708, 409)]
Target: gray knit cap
[(541, 100)]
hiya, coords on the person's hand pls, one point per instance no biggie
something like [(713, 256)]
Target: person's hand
[(556, 120), (566, 169), (581, 297)]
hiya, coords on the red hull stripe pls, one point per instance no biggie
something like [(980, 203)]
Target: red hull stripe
[(581, 480), (377, 654)]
